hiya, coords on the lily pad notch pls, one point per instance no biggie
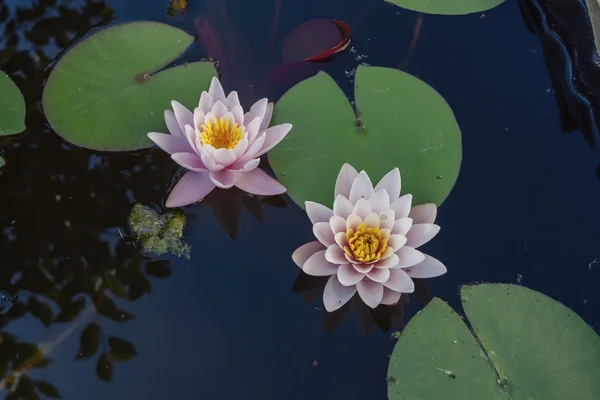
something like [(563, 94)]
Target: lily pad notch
[(397, 121), (12, 107), (111, 89), (523, 345)]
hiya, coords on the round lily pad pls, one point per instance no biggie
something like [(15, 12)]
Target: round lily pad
[(12, 107), (447, 7), (2, 162), (400, 121), (105, 93), (524, 345)]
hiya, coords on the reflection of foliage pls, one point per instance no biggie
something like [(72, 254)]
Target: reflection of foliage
[(159, 234), (62, 214), (384, 316)]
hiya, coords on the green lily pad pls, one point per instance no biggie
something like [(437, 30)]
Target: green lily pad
[(105, 93), (2, 162), (402, 122), (447, 7), (524, 346), (12, 107)]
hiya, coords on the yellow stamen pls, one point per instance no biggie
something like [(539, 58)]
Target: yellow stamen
[(219, 134), (365, 244)]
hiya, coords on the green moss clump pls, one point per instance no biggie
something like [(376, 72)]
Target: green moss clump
[(159, 234)]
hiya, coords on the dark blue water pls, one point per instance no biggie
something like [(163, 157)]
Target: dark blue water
[(226, 324)]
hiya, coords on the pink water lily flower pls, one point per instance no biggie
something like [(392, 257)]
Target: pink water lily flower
[(220, 145), (368, 242)]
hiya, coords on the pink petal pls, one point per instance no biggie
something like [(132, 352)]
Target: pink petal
[(361, 188), (182, 115), (370, 292), (323, 232), (252, 129), (305, 251), (190, 135), (386, 219), (396, 242), (190, 161), (192, 187), (402, 226), (336, 295), (274, 135), (334, 254), (267, 118), (399, 281), (172, 124), (260, 183), (199, 118), (380, 201), (219, 109), (409, 257), (317, 212), (317, 265), (225, 179), (362, 208), (215, 90), (391, 184), (232, 100), (241, 148), (246, 167), (169, 143), (353, 221), (372, 220), (420, 234), (340, 239), (402, 206), (363, 268), (344, 181), (338, 224), (390, 297), (429, 268), (342, 207), (424, 213), (208, 161), (388, 262), (253, 149), (348, 276), (379, 274), (224, 157), (205, 104), (238, 114), (257, 110)]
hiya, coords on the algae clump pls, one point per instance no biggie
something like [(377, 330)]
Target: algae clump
[(159, 233)]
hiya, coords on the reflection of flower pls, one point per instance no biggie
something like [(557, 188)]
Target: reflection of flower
[(368, 242), (220, 145)]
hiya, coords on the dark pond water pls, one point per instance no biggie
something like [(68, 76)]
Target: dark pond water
[(226, 324)]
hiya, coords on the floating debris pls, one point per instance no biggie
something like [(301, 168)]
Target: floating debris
[(159, 233), (396, 335)]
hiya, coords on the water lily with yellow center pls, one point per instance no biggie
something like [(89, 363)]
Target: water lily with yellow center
[(220, 145), (368, 242)]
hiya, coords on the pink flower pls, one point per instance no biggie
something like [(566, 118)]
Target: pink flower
[(220, 145), (368, 242)]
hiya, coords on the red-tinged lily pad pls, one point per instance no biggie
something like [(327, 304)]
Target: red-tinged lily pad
[(316, 40)]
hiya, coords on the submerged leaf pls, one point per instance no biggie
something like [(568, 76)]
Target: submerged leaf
[(104, 367), (107, 307), (2, 162), (121, 350), (89, 341), (315, 40), (47, 389)]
